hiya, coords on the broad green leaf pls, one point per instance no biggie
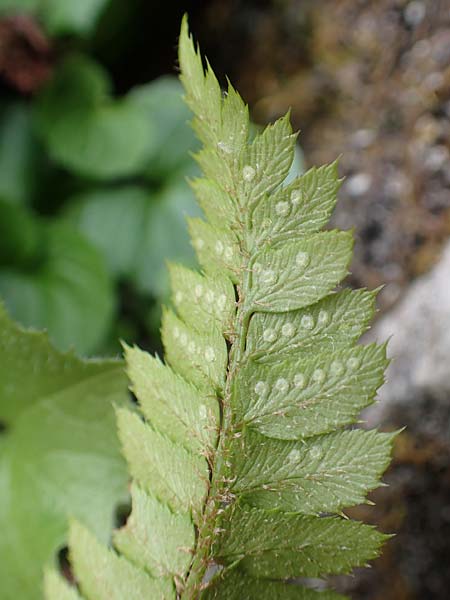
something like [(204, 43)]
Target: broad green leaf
[(275, 545), (296, 273), (333, 323), (56, 587), (137, 230), (161, 467), (22, 241), (304, 206), (87, 131), (305, 396), (20, 163), (14, 6), (202, 301), (322, 474), (112, 220), (172, 405), (155, 538), (238, 586), (199, 358), (78, 17), (60, 18), (172, 139), (164, 237), (68, 291), (59, 453), (104, 575)]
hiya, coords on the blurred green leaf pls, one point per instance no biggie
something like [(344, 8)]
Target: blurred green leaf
[(113, 221), (20, 236), (15, 6), (60, 17), (19, 153), (173, 138), (165, 238), (68, 291), (73, 16), (138, 230), (59, 453), (85, 129)]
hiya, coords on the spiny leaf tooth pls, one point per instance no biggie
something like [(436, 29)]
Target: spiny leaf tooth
[(174, 407), (219, 207), (215, 169), (202, 301), (200, 358), (203, 94), (103, 575), (298, 272), (162, 468), (156, 539), (265, 163), (303, 207), (235, 125), (273, 545), (322, 474), (331, 324), (236, 585), (217, 249), (304, 396)]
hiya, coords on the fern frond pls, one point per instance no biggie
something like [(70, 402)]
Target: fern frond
[(240, 457)]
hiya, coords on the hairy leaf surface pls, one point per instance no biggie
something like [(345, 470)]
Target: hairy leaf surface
[(237, 586), (240, 451), (279, 545)]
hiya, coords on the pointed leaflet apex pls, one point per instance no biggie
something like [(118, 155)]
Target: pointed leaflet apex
[(239, 446)]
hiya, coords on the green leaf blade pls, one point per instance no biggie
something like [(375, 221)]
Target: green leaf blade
[(306, 396), (335, 322), (59, 456), (273, 545), (69, 292), (278, 362), (265, 162), (162, 468), (87, 132), (202, 301), (104, 575), (200, 358), (238, 586), (304, 206), (296, 273), (173, 407), (155, 539), (322, 474), (217, 249)]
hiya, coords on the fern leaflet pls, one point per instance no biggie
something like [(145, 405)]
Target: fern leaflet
[(241, 457)]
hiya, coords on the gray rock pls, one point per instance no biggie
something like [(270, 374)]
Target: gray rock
[(419, 375)]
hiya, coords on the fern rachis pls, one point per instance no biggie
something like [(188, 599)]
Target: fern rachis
[(241, 456)]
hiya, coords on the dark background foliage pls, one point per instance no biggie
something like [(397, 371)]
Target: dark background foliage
[(94, 156)]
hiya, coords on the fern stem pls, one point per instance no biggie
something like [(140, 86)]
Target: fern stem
[(218, 491)]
